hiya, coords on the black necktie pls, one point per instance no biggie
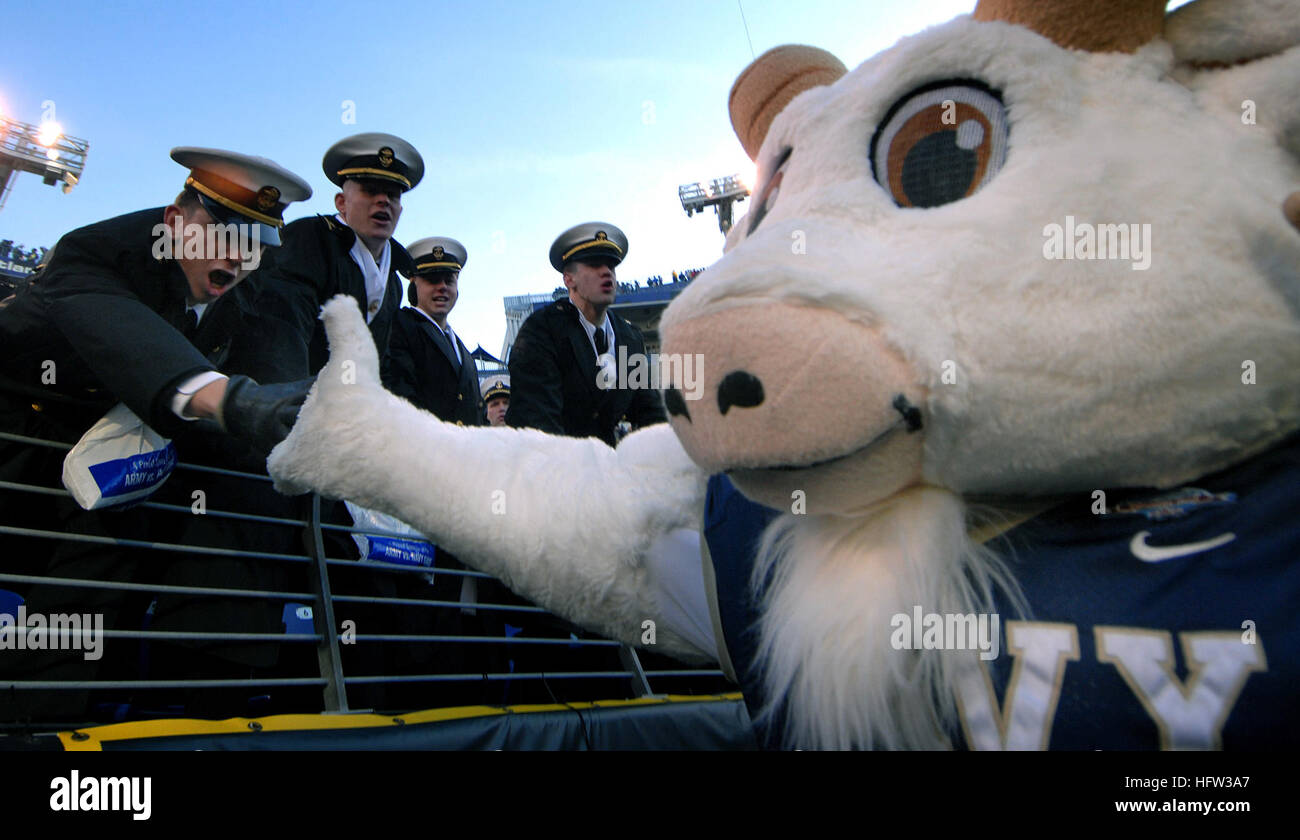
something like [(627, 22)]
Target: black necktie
[(452, 345), (191, 323), (602, 344)]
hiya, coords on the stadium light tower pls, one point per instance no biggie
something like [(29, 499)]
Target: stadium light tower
[(721, 194), (42, 150)]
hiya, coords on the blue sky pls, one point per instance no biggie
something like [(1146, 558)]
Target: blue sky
[(531, 116)]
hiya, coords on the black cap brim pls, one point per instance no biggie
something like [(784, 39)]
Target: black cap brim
[(267, 234)]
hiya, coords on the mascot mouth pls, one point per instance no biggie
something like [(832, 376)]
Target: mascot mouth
[(910, 417)]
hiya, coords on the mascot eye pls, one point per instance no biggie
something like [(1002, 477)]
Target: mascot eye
[(940, 143), (770, 190)]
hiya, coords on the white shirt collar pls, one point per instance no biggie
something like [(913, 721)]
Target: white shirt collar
[(591, 328), (451, 336), (446, 329), (375, 274)]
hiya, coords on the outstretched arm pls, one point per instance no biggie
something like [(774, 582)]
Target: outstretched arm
[(566, 522)]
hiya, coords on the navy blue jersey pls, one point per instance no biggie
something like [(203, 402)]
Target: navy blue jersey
[(1159, 620), (732, 526)]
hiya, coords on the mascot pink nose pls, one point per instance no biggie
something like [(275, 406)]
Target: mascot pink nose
[(791, 384)]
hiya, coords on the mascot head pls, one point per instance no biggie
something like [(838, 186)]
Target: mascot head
[(1045, 248), (1039, 249)]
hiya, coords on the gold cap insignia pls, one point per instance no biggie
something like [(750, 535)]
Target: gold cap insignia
[(438, 252), (385, 157), (600, 235), (267, 197)]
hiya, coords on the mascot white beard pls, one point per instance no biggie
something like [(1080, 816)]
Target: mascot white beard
[(1070, 375)]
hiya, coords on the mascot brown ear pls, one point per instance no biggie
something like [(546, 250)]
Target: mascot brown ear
[(768, 84), (1217, 34), (1209, 36), (1115, 26)]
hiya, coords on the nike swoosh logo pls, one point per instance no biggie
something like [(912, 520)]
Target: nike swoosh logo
[(1157, 553)]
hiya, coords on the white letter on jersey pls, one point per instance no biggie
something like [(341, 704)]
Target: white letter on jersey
[(1025, 721), (1190, 715)]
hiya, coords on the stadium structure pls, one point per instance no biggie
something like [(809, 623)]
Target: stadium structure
[(42, 150), (721, 194)]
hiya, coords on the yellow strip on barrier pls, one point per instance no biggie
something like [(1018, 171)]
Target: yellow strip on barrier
[(92, 739)]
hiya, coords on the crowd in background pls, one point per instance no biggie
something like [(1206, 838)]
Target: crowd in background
[(683, 277), (30, 257)]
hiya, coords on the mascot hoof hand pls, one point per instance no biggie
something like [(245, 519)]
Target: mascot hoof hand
[(332, 419)]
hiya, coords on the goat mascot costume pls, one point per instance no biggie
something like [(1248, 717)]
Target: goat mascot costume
[(1048, 255)]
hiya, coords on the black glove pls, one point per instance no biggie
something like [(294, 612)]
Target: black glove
[(261, 415)]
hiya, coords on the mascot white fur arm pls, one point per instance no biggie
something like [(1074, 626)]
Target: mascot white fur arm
[(570, 523)]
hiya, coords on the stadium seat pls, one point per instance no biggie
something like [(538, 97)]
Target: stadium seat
[(10, 602), (297, 619)]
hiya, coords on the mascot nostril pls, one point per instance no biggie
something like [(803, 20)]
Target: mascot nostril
[(911, 414), (1291, 209), (676, 403), (740, 389)]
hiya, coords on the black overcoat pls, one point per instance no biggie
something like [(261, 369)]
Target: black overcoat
[(553, 381), (421, 367), (312, 265)]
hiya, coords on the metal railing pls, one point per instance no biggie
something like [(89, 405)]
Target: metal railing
[(313, 574)]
